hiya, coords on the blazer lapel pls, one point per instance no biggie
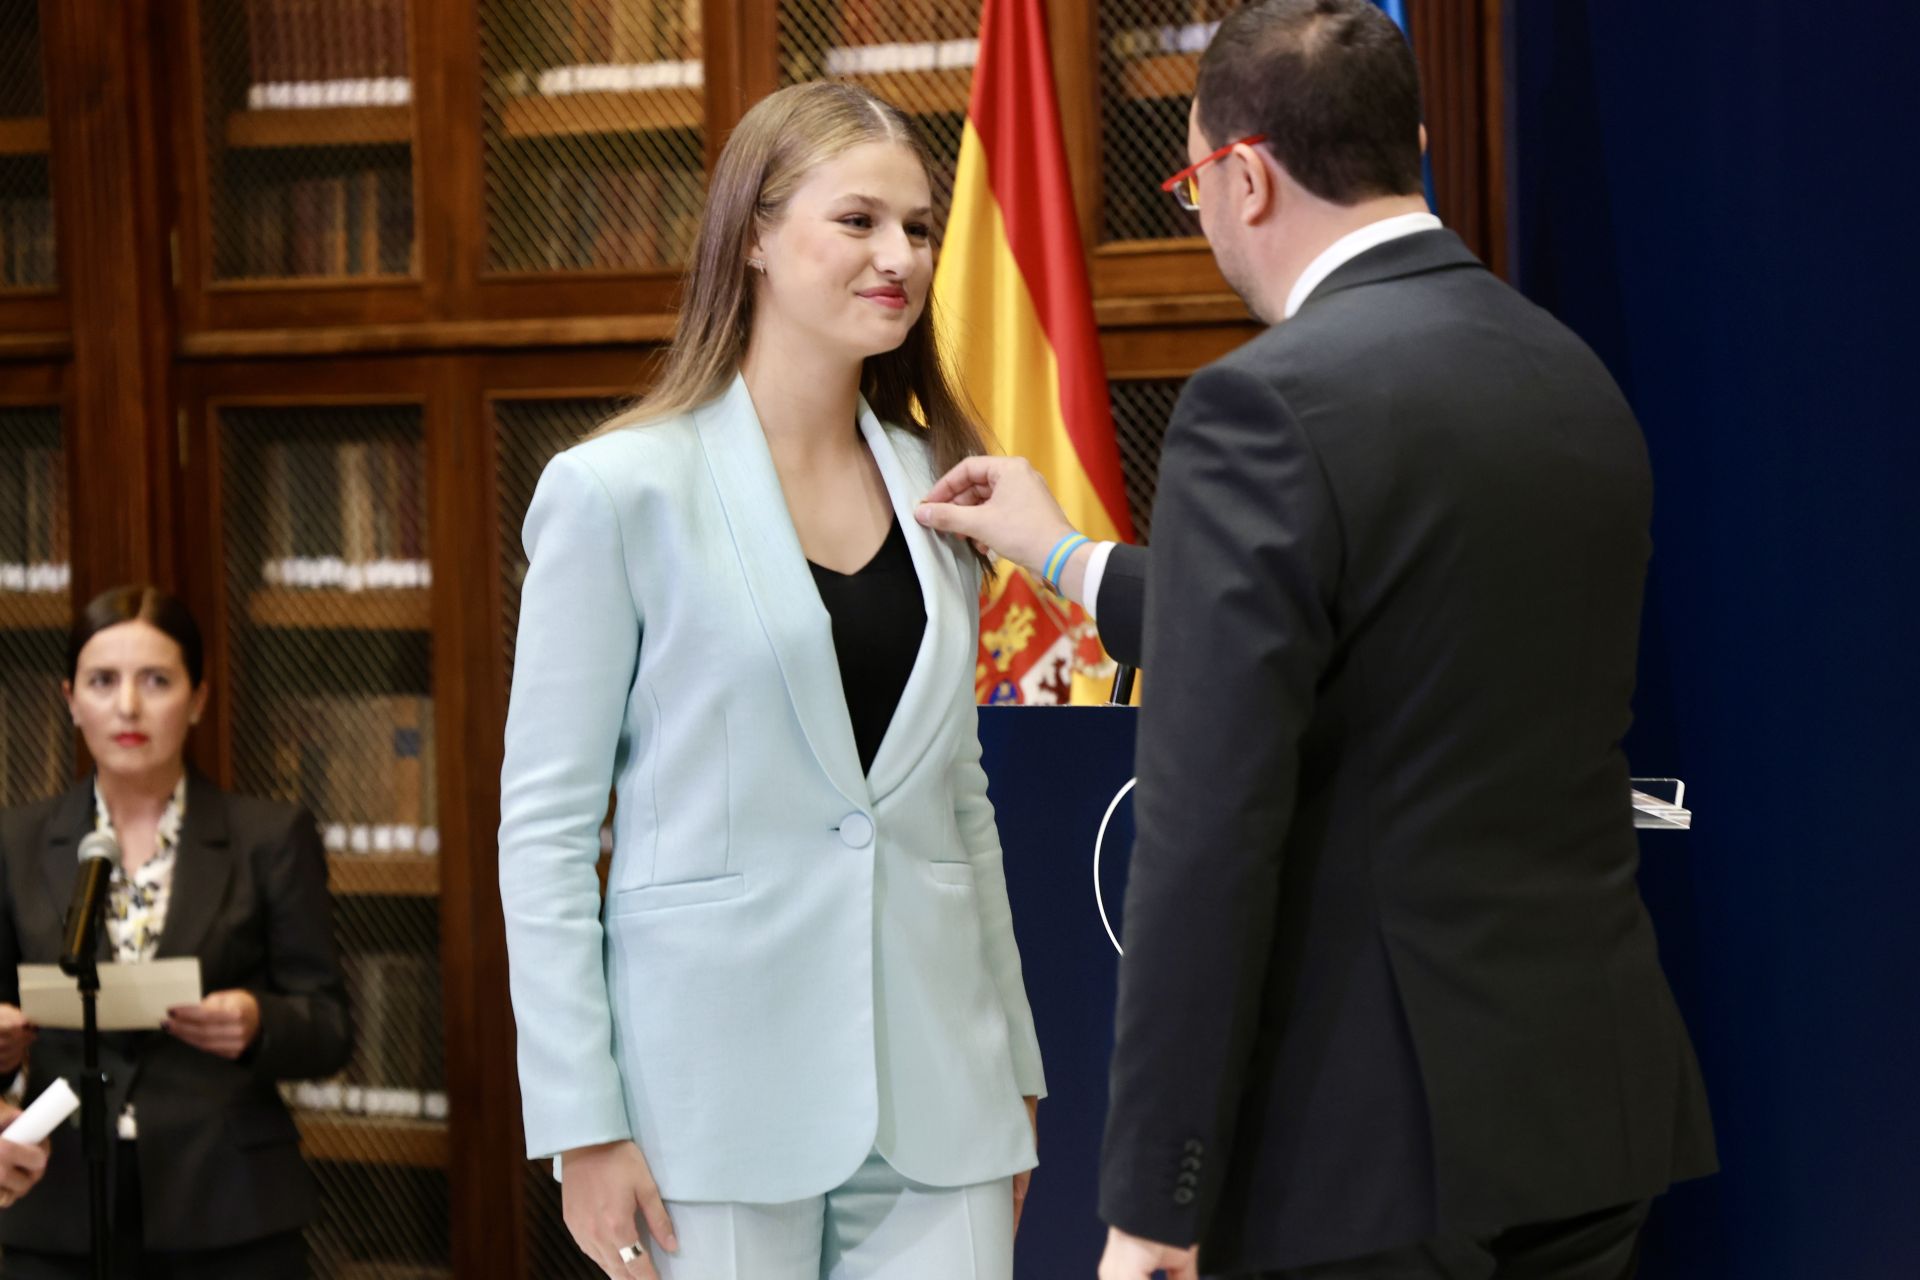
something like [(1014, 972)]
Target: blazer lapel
[(795, 621), (924, 703), (72, 819), (202, 865)]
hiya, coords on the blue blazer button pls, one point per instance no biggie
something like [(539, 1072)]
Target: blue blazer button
[(856, 829)]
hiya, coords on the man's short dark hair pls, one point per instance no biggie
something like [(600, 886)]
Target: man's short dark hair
[(1333, 86)]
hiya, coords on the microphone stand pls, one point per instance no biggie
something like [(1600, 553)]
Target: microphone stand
[(1122, 685), (85, 970)]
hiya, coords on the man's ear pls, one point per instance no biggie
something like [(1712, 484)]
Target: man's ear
[(1256, 187)]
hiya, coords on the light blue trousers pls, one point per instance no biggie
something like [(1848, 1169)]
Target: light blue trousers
[(877, 1226)]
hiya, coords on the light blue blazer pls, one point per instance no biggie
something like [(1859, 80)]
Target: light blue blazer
[(797, 963)]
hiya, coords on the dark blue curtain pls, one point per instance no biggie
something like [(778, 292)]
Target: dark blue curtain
[(1720, 198)]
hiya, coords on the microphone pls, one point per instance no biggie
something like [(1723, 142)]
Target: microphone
[(99, 855)]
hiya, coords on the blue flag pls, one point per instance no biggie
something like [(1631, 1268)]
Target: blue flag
[(1397, 10)]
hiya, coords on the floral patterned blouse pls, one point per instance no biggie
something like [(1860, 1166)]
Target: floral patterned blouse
[(137, 904)]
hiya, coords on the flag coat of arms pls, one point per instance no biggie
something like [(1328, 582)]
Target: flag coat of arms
[(1019, 334)]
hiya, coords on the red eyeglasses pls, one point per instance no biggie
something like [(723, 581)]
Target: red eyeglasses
[(1185, 185)]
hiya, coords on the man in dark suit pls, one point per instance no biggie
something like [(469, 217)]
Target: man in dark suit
[(1390, 1005)]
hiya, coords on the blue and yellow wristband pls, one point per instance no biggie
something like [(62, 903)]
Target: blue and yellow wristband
[(1062, 552)]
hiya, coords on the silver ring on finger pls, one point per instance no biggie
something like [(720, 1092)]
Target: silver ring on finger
[(633, 1252)]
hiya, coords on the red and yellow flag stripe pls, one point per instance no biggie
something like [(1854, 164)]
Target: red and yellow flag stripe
[(1017, 314)]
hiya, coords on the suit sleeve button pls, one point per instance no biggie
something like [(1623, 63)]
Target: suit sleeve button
[(1183, 1195)]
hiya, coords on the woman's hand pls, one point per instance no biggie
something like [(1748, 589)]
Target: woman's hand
[(16, 1037), (224, 1024), (1025, 1176), (602, 1189), (20, 1167)]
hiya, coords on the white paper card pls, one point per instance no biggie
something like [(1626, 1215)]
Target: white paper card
[(31, 1127), (133, 997)]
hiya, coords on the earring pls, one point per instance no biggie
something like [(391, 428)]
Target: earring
[(758, 264)]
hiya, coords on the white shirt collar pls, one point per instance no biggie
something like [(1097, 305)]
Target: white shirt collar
[(1351, 246)]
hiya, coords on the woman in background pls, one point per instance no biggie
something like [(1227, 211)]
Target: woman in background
[(206, 1172), (797, 1043)]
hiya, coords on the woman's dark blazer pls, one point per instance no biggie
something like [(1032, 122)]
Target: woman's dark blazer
[(219, 1154)]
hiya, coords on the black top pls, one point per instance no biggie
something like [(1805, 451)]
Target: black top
[(878, 620)]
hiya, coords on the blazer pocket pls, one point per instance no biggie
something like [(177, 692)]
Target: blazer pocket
[(958, 873), (680, 893)]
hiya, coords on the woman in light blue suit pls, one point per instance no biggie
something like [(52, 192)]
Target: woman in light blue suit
[(796, 1042)]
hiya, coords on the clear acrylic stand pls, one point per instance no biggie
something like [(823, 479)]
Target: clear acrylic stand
[(1652, 813)]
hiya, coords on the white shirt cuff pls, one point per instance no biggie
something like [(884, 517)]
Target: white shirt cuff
[(1096, 570)]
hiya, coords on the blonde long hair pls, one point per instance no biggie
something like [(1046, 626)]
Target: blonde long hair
[(777, 144)]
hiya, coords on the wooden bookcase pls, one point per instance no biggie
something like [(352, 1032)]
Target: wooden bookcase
[(318, 288)]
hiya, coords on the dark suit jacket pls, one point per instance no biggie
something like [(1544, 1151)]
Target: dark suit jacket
[(219, 1154), (1387, 971)]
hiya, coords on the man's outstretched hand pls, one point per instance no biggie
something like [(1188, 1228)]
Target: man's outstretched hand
[(1002, 505)]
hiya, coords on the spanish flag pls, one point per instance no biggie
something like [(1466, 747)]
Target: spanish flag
[(1017, 315)]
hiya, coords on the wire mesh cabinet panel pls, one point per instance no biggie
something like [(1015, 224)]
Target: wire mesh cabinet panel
[(1149, 52), (36, 735), (329, 652), (917, 54), (593, 126), (309, 139), (27, 258), (1141, 410), (527, 433)]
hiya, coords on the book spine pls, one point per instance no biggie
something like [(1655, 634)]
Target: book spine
[(408, 747), (356, 504), (62, 531), (410, 503)]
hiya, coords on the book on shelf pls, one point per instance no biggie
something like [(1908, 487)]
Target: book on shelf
[(27, 248), (339, 1097), (358, 223), (1152, 42), (555, 82), (20, 68), (645, 217), (362, 764), (902, 56), (36, 751), (34, 551), (41, 578), (923, 34), (618, 46), (396, 1002), (398, 1066), (305, 54), (343, 515)]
